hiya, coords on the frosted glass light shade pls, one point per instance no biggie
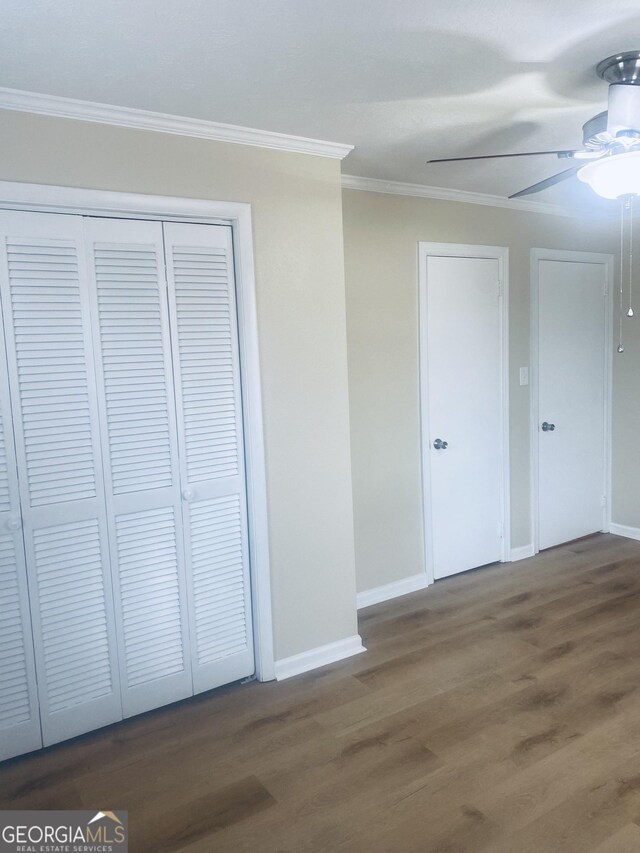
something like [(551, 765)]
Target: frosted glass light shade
[(615, 176)]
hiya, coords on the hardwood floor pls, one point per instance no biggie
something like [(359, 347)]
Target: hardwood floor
[(496, 711)]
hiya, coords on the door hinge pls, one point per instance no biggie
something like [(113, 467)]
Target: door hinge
[(500, 531), (499, 289), (603, 500)]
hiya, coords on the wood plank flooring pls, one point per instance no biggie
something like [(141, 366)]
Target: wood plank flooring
[(496, 711)]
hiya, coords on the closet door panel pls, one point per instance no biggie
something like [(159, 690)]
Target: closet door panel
[(48, 337), (19, 717), (134, 373), (199, 262)]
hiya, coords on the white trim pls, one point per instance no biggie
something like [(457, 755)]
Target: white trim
[(391, 590), (501, 254), (538, 255), (238, 215), (257, 506), (376, 185), (52, 199), (522, 553), (625, 530), (320, 656), (53, 105)]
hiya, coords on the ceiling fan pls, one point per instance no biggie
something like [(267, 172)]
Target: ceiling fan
[(611, 139)]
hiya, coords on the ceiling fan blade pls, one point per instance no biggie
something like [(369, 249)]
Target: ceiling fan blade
[(548, 182), (566, 153)]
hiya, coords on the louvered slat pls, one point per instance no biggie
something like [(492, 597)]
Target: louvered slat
[(44, 288), (206, 355), (5, 498), (152, 633), (19, 720), (138, 423), (14, 686), (218, 582), (133, 363), (204, 322), (51, 308), (76, 671), (55, 419)]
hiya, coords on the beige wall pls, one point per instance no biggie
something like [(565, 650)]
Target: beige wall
[(381, 267), (297, 221), (626, 413)]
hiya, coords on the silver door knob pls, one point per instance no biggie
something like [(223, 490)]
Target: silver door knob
[(188, 495), (439, 444), (13, 523), (548, 427)]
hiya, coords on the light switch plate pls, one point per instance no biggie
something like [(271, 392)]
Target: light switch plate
[(524, 375)]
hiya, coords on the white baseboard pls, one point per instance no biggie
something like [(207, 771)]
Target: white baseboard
[(391, 590), (625, 530), (320, 656), (522, 553)]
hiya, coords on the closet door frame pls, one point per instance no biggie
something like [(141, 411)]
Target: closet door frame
[(86, 202)]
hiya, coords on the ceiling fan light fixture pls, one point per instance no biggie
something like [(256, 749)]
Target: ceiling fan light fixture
[(613, 177)]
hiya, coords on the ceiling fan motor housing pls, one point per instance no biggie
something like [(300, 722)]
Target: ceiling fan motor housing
[(623, 115), (622, 72)]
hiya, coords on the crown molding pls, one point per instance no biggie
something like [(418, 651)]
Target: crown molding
[(53, 105), (376, 185)]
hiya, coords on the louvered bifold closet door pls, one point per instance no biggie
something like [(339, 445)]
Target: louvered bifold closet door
[(135, 384), (19, 717), (207, 375), (48, 337)]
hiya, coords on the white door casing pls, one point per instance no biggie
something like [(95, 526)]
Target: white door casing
[(237, 215), (571, 360), (464, 401)]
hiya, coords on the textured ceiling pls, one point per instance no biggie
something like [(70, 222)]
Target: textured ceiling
[(401, 80)]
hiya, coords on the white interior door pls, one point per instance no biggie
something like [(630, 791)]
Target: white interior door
[(572, 387), (462, 401), (55, 415), (204, 334), (132, 350)]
